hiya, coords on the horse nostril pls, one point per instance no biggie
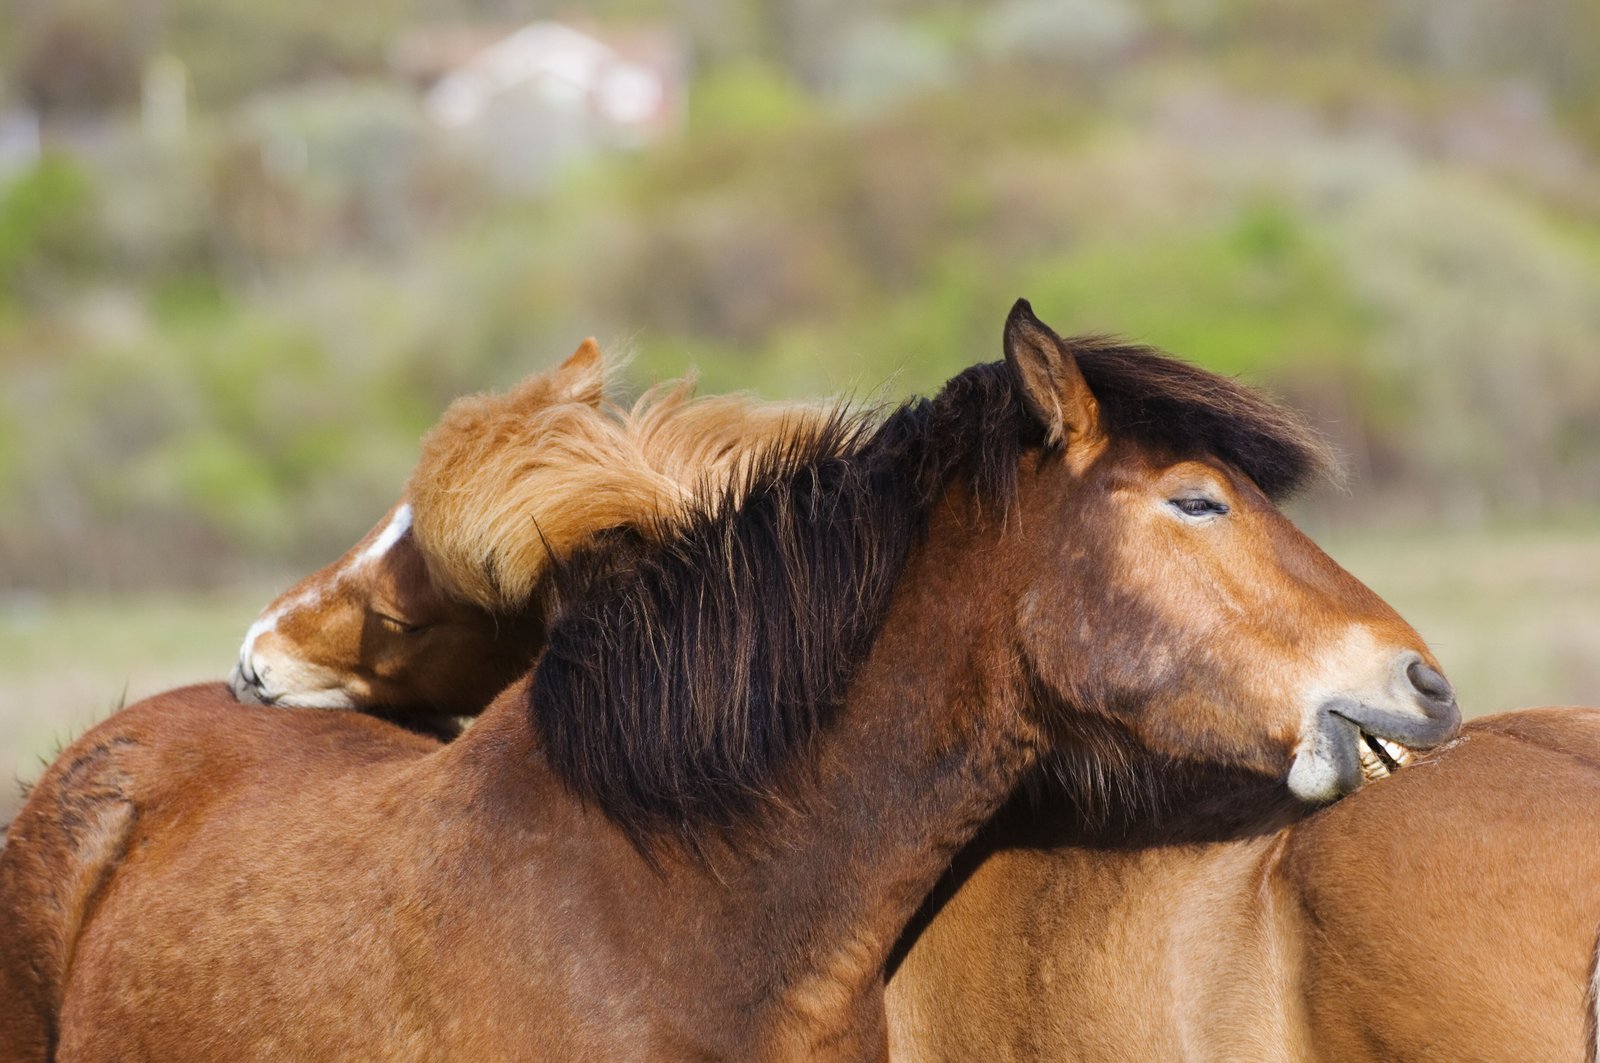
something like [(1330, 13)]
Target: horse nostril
[(1430, 684)]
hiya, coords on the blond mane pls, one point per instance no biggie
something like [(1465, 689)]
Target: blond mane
[(505, 480)]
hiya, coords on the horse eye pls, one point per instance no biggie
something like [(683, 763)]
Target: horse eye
[(1199, 507), (398, 626)]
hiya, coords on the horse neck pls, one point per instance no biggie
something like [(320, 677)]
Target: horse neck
[(927, 746)]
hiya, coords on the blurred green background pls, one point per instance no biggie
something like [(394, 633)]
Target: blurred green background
[(247, 256)]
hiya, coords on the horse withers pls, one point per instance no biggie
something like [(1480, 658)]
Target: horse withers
[(750, 748)]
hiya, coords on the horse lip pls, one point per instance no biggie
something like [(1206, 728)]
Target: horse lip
[(1414, 733), (1328, 767)]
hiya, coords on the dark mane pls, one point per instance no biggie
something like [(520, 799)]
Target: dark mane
[(681, 677), (685, 671), (1159, 399)]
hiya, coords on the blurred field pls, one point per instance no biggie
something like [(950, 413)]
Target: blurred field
[(67, 662), (1514, 614), (243, 264)]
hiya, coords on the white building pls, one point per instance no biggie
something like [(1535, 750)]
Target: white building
[(549, 93)]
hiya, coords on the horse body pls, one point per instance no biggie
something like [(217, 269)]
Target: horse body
[(1420, 977), (494, 927), (228, 837), (1449, 912), (143, 786), (212, 938), (748, 751), (1177, 967), (509, 921)]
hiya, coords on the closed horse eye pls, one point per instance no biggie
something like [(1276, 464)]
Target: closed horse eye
[(398, 626), (1199, 506)]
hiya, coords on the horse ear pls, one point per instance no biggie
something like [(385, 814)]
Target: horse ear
[(1048, 378), (582, 377)]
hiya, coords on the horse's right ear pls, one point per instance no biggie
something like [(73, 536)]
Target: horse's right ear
[(582, 377), (1047, 377)]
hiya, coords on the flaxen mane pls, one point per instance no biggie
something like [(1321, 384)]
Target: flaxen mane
[(683, 675), (504, 480)]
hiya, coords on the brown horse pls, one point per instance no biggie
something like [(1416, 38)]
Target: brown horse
[(748, 753), (1448, 913), (430, 614)]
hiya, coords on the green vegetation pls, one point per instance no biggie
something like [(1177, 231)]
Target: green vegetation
[(217, 352)]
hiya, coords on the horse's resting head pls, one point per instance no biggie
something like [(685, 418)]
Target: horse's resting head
[(373, 630)]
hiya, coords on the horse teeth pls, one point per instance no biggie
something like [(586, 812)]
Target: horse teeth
[(1380, 757), (1399, 753), (1372, 766)]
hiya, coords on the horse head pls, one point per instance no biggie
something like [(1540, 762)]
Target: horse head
[(440, 605), (1163, 589), (384, 627)]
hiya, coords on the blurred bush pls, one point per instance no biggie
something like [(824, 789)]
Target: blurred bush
[(47, 230), (217, 355)]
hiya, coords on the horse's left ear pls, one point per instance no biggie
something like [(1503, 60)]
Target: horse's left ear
[(1047, 375), (582, 377)]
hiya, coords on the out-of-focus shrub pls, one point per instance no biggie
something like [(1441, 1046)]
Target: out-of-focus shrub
[(1486, 365), (743, 97), (219, 350), (47, 228)]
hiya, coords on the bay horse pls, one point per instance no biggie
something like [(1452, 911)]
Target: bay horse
[(752, 745), (1450, 912), (429, 616)]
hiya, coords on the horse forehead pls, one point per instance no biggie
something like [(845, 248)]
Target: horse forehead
[(1132, 461), (343, 583)]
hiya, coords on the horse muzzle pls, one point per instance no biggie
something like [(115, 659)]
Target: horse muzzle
[(1351, 740), (246, 686)]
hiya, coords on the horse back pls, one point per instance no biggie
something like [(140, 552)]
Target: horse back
[(1453, 908), (147, 767), (61, 848)]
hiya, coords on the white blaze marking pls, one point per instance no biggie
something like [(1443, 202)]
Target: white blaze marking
[(398, 525), (268, 621), (264, 623), (284, 669)]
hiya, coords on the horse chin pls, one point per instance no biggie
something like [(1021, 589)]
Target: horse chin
[(254, 694), (292, 685), (1321, 774)]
